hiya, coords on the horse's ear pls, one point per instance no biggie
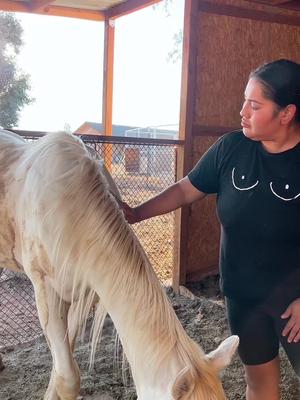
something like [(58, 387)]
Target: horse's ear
[(183, 385), (221, 357)]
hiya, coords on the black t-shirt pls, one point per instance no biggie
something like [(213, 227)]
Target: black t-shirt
[(258, 205)]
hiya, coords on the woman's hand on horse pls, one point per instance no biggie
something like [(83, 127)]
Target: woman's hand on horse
[(292, 328), (130, 213)]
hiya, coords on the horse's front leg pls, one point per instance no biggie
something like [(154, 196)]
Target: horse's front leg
[(65, 378)]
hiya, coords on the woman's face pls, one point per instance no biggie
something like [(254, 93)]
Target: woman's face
[(260, 116)]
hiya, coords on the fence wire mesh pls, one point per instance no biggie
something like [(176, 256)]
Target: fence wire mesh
[(140, 171), (19, 322)]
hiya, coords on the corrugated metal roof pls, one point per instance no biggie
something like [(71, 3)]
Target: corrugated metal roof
[(87, 9), (96, 5)]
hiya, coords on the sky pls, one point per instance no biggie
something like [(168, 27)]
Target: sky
[(64, 58)]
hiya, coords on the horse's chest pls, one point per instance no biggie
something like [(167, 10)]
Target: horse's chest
[(64, 288)]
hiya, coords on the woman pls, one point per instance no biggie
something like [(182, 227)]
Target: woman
[(256, 175)]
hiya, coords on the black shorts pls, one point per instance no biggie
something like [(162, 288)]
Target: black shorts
[(259, 327)]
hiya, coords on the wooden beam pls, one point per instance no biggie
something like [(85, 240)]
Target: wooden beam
[(108, 69), (108, 72), (281, 4), (21, 6), (184, 159), (36, 5), (202, 130), (272, 2), (240, 12), (13, 6), (128, 7), (73, 13), (107, 139)]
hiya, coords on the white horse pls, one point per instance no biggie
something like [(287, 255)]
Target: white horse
[(61, 225)]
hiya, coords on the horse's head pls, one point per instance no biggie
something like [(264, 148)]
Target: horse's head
[(204, 383)]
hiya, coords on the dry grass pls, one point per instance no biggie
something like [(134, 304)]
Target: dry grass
[(157, 234)]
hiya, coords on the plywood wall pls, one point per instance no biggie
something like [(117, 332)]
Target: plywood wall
[(203, 243), (228, 48)]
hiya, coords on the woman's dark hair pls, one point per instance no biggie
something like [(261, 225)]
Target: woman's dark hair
[(281, 83)]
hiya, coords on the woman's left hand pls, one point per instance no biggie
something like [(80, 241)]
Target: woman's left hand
[(292, 328)]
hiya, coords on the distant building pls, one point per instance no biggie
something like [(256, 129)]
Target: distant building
[(149, 132), (96, 128), (138, 158), (154, 132)]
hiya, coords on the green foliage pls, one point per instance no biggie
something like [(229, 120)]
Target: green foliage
[(175, 54), (14, 85), (165, 5)]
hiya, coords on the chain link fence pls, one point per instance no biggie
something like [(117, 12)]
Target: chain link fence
[(19, 322), (141, 168)]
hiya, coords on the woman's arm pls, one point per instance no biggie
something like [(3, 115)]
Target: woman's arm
[(175, 196)]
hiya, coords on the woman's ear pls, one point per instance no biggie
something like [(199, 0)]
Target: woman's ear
[(288, 114)]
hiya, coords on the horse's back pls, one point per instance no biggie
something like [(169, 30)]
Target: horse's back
[(11, 147), (10, 140), (43, 187), (10, 136)]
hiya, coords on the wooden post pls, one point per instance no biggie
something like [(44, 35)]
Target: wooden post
[(109, 39), (184, 155)]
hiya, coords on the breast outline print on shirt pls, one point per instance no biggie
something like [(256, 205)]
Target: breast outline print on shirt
[(243, 176), (280, 197), (257, 182)]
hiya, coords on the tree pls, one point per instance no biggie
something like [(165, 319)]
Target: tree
[(175, 54), (14, 84)]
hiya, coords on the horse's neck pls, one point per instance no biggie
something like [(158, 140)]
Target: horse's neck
[(152, 382)]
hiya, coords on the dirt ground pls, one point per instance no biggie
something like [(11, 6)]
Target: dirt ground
[(28, 366)]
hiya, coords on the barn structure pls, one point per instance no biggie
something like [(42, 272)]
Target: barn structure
[(223, 41)]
